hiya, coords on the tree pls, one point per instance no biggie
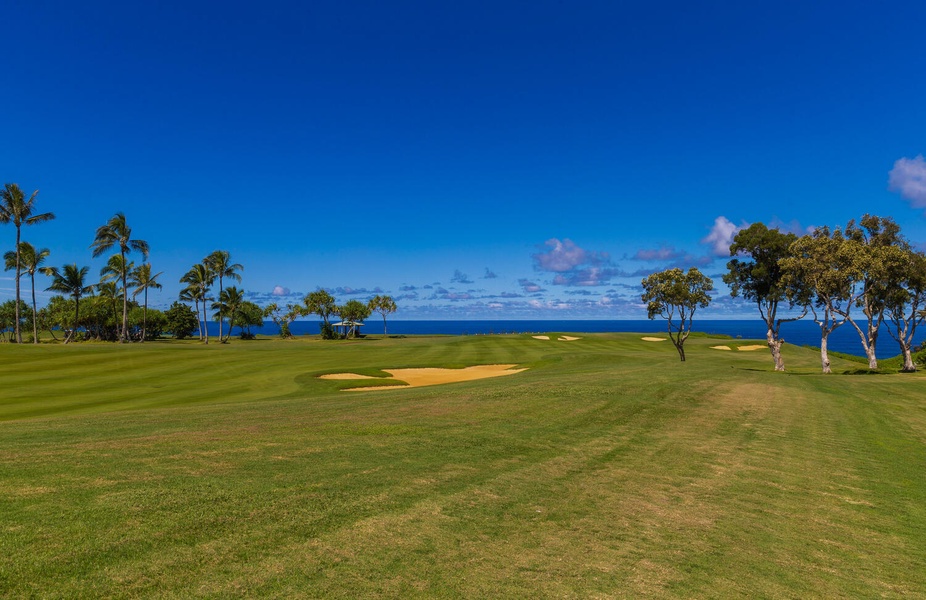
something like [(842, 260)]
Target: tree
[(322, 304), (828, 267), (874, 238), (219, 263), (906, 299), (200, 278), (8, 316), (142, 280), (229, 302), (191, 293), (352, 313), (181, 320), (755, 274), (248, 315), (58, 313), (15, 209), (30, 260), (284, 316), (70, 280), (146, 324), (116, 232), (674, 294), (383, 305)]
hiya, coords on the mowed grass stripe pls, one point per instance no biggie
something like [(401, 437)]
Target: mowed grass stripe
[(601, 471)]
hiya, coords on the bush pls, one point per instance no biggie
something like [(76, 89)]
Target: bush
[(182, 320), (328, 332)]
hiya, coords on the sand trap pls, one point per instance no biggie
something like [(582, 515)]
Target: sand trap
[(751, 348), (721, 348), (429, 376), (653, 339), (540, 337), (568, 338), (345, 376)]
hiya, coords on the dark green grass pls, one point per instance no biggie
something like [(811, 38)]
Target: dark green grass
[(609, 469)]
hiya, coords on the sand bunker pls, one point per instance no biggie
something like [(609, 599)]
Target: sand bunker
[(540, 337), (721, 348), (653, 339), (568, 338), (429, 376), (345, 376), (751, 348)]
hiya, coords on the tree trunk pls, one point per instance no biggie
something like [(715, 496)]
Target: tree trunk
[(19, 335), (908, 365), (144, 318), (221, 314), (872, 342), (35, 326), (384, 325), (125, 303), (205, 324), (824, 356), (774, 344), (681, 351)]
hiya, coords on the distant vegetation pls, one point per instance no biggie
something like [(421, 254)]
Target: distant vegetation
[(108, 310)]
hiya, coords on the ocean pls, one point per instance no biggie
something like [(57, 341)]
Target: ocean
[(800, 333)]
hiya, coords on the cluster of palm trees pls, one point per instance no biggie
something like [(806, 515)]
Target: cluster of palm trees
[(201, 278), (117, 277)]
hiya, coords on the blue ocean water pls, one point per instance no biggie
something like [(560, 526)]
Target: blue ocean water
[(800, 333)]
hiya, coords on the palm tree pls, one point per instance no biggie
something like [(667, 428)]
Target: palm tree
[(142, 280), (109, 293), (219, 262), (116, 231), (192, 293), (15, 209), (31, 261), (71, 280), (230, 301), (200, 277)]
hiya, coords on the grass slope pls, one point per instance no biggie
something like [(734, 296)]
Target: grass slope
[(609, 469)]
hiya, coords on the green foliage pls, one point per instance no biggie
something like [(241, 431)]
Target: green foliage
[(383, 305), (8, 316), (154, 322), (354, 312), (248, 315), (180, 320), (320, 303), (675, 296), (284, 316)]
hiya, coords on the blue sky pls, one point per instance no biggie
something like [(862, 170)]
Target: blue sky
[(474, 160)]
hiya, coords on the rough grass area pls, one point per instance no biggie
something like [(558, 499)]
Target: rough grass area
[(607, 469)]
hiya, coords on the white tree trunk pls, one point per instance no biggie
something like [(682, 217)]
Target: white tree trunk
[(774, 344), (824, 356)]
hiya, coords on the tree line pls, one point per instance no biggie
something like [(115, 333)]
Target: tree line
[(99, 316), (866, 270)]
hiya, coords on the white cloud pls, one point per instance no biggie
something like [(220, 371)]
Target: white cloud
[(565, 256), (721, 235), (280, 291), (908, 178)]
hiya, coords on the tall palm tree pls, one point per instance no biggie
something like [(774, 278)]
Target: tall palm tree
[(191, 293), (117, 232), (142, 280), (15, 209), (230, 301), (201, 278), (30, 261), (219, 262), (70, 280)]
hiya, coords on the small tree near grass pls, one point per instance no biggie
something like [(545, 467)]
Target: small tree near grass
[(675, 296), (384, 305), (182, 320), (353, 312)]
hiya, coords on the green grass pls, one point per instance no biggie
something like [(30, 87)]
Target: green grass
[(608, 469)]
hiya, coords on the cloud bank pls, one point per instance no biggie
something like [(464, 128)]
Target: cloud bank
[(908, 178)]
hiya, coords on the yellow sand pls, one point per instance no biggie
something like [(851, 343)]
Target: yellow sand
[(568, 338), (721, 348), (541, 337), (653, 339), (345, 376), (751, 348), (430, 376)]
